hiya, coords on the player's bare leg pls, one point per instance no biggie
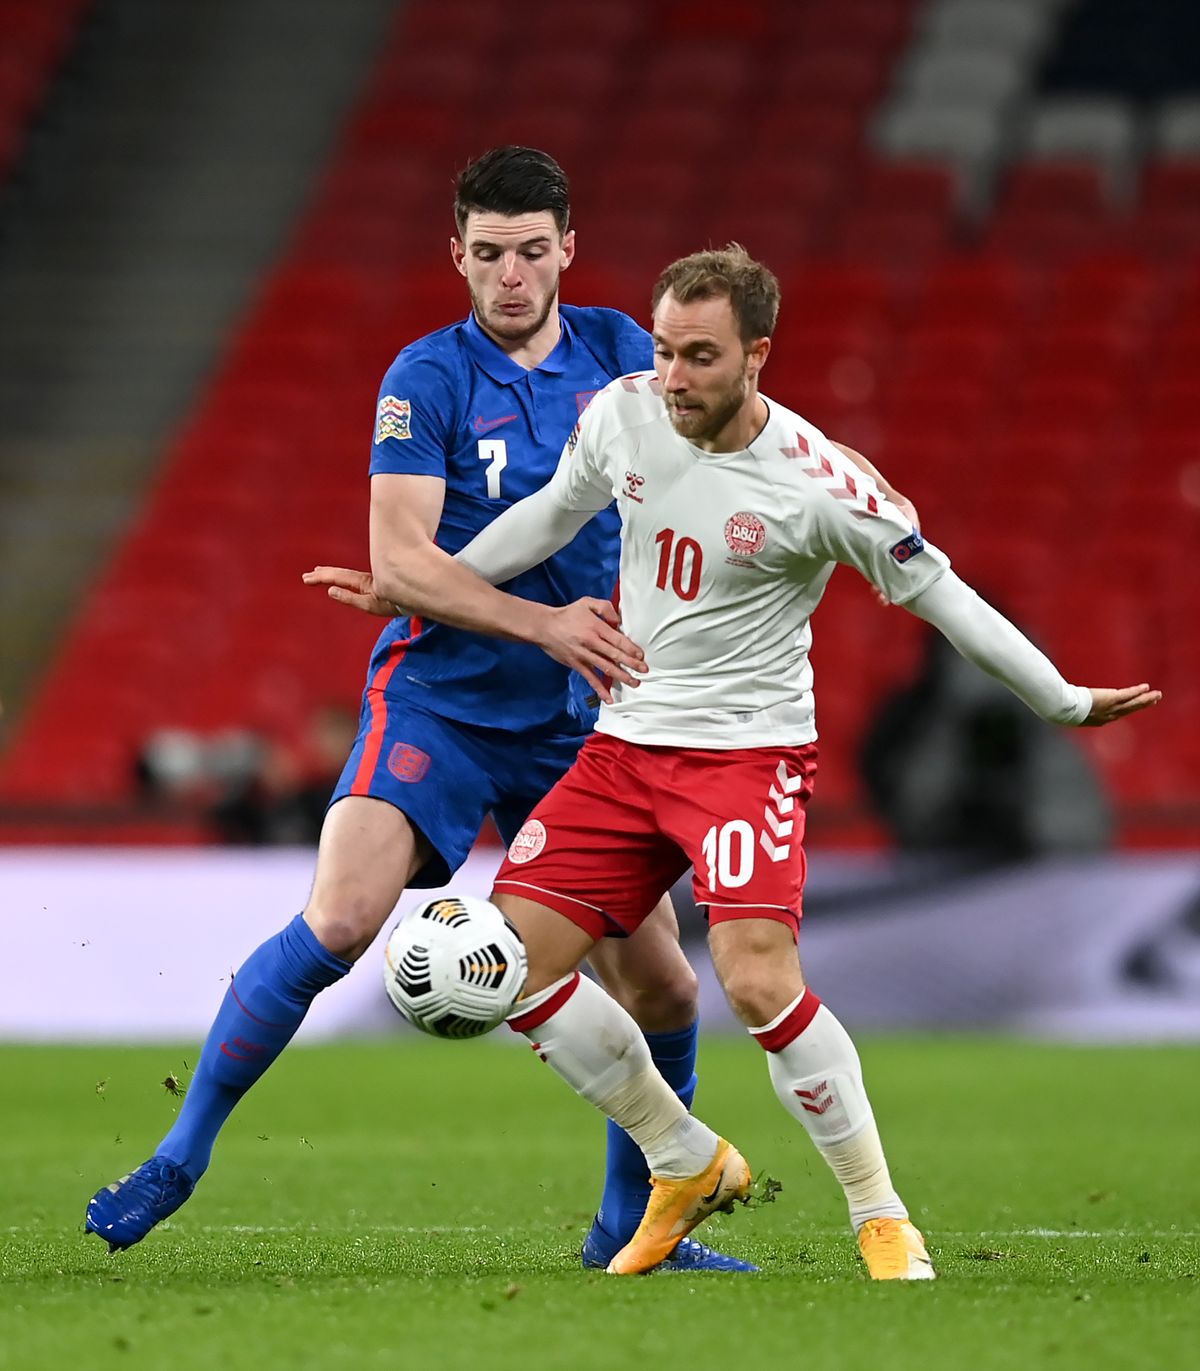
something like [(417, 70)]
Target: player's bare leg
[(368, 853), (818, 1078), (648, 975), (589, 1040)]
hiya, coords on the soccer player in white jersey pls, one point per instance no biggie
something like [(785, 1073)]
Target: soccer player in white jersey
[(734, 513)]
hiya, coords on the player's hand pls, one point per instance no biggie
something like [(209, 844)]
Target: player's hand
[(356, 588), (1108, 705), (585, 637)]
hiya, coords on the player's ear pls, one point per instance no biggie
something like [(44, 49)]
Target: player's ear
[(568, 248), (458, 255), (756, 354)]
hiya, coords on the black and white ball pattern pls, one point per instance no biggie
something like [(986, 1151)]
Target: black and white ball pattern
[(455, 966)]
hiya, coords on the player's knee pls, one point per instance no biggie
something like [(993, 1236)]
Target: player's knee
[(668, 1002), (752, 987), (345, 921)]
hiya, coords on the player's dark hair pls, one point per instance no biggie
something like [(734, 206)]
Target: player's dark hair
[(751, 289), (513, 180)]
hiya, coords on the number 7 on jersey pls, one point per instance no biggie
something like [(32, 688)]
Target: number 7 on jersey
[(494, 451)]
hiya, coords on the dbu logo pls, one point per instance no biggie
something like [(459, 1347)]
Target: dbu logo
[(408, 763)]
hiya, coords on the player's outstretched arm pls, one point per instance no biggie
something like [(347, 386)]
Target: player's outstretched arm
[(984, 636), (584, 636), (409, 569), (570, 633)]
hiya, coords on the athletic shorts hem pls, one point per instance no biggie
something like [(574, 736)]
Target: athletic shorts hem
[(726, 913), (589, 917)]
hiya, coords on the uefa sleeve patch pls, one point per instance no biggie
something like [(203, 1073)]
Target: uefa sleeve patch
[(907, 548), (392, 419)]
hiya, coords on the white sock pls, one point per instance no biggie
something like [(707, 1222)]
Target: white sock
[(818, 1078), (595, 1046)]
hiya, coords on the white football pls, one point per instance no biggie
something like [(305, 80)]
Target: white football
[(455, 966)]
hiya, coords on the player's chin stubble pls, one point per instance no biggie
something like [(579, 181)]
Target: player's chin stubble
[(512, 330), (712, 419)]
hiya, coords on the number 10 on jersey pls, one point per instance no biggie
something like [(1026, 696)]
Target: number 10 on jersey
[(680, 562)]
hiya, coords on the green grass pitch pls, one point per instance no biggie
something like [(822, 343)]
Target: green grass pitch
[(420, 1204)]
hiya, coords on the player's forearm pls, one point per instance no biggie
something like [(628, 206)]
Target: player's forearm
[(984, 636), (430, 583), (524, 535)]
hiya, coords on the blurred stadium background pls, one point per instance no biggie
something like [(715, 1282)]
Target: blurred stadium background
[(220, 222)]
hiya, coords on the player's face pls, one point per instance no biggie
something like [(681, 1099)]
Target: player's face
[(706, 370), (512, 264)]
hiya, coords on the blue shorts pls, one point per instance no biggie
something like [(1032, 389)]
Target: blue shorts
[(446, 776)]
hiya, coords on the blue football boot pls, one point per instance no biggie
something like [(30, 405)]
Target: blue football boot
[(600, 1247), (125, 1211)]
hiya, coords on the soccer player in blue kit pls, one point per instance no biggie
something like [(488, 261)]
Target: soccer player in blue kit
[(454, 724)]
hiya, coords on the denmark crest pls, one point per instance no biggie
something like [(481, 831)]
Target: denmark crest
[(528, 843), (745, 534)]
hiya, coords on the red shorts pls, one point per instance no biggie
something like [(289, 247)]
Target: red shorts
[(627, 821)]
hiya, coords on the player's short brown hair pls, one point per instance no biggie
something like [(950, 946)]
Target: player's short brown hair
[(751, 288), (512, 180)]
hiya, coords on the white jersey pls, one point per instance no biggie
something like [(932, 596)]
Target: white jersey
[(724, 557)]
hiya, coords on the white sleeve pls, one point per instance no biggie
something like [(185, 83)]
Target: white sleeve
[(580, 480), (538, 526), (856, 524), (984, 636), (524, 535)]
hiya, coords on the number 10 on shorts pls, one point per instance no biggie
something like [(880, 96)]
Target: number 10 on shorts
[(729, 852)]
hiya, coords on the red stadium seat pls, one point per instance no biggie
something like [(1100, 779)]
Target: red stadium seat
[(850, 25), (791, 127), (699, 71), (713, 19), (670, 185), (611, 27), (840, 77), (566, 132), (476, 25), (1053, 210)]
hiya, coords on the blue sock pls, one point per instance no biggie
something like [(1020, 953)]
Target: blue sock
[(264, 1005), (626, 1177)]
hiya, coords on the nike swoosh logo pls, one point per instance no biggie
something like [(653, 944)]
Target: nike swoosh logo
[(483, 425), (712, 1194)]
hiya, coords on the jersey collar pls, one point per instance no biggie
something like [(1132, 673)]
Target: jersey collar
[(501, 367), (758, 445)]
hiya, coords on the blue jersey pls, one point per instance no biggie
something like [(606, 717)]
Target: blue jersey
[(454, 405)]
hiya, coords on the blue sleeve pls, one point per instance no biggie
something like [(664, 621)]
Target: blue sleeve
[(618, 343), (414, 419)]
